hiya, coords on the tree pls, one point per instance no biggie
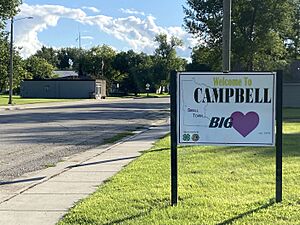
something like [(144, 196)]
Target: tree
[(98, 64), (165, 58), (259, 31), (38, 68), (49, 54), (64, 57), (20, 72), (293, 42), (136, 70), (166, 49), (145, 72), (4, 56), (205, 59), (125, 63), (8, 9)]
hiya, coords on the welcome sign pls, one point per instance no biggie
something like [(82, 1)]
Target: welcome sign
[(226, 109)]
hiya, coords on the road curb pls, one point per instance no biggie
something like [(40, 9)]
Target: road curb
[(62, 167)]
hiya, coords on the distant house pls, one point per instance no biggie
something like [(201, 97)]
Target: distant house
[(65, 74), (63, 88)]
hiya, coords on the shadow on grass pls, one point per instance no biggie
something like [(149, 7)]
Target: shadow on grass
[(84, 219), (141, 214), (157, 150), (240, 216), (163, 149)]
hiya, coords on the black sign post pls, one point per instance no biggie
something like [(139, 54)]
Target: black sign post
[(173, 86), (279, 136)]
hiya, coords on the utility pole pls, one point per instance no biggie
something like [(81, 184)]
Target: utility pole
[(11, 66), (226, 35), (80, 72), (79, 40)]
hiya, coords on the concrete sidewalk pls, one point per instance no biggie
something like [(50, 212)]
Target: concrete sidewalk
[(43, 197)]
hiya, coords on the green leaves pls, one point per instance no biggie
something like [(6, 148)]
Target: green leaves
[(260, 29), (165, 57), (8, 9), (38, 68)]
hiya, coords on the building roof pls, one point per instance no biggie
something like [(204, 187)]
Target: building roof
[(65, 73)]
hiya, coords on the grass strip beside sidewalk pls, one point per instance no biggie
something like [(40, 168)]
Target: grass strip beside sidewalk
[(217, 185), (17, 100)]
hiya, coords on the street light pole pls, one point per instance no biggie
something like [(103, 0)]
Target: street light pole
[(11, 49), (11, 67)]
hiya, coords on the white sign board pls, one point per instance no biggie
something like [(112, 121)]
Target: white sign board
[(226, 109)]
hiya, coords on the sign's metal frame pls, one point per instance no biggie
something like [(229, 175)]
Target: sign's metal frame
[(174, 136)]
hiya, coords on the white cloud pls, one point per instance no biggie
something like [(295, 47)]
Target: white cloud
[(92, 9), (132, 11), (44, 16), (137, 33)]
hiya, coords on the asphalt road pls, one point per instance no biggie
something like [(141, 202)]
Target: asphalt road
[(32, 139)]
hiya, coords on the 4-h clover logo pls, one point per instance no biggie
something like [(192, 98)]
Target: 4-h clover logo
[(186, 137)]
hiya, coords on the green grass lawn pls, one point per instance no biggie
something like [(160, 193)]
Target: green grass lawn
[(217, 185), (142, 95), (291, 114), (153, 95), (17, 100)]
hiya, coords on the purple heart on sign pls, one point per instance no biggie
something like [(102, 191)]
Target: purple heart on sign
[(244, 124)]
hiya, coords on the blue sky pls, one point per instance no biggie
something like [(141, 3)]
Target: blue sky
[(122, 24)]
